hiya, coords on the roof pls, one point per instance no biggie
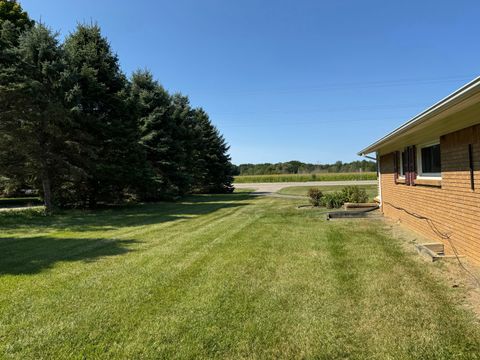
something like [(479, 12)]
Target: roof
[(454, 98)]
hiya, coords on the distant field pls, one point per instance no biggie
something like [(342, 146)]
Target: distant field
[(372, 190), (305, 177)]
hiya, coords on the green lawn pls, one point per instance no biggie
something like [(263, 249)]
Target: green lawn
[(372, 190), (221, 277)]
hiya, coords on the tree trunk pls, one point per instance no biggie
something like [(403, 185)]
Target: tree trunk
[(47, 193)]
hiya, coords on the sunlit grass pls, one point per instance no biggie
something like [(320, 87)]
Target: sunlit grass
[(229, 276)]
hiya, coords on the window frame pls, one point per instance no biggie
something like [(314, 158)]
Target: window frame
[(420, 173)]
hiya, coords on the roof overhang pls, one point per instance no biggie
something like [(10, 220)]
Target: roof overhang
[(458, 100)]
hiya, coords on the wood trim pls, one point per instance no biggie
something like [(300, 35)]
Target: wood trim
[(429, 182)]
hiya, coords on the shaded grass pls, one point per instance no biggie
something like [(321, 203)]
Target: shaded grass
[(372, 190), (238, 190), (221, 277), (16, 202), (305, 177)]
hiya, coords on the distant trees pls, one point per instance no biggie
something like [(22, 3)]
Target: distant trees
[(75, 128), (297, 167)]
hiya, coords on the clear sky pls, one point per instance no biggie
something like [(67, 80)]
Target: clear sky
[(308, 80)]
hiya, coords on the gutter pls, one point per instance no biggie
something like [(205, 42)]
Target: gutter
[(369, 157), (458, 95)]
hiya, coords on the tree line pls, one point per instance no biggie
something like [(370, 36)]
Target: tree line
[(73, 126), (298, 167)]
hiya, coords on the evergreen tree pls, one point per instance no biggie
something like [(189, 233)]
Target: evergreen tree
[(98, 99), (32, 125), (214, 170), (183, 148), (11, 11), (163, 122), (13, 21), (73, 126), (152, 110)]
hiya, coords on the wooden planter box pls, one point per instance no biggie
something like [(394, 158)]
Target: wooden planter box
[(348, 206), (434, 251)]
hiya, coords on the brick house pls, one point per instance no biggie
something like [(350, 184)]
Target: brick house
[(429, 172)]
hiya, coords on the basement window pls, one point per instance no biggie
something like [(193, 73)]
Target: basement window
[(429, 160)]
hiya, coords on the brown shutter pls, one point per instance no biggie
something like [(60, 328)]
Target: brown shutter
[(408, 160), (471, 167), (414, 164), (410, 165), (395, 166)]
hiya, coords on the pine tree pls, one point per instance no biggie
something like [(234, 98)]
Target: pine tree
[(74, 127), (98, 99), (162, 121), (11, 11), (213, 170), (13, 22), (151, 105), (185, 151), (184, 146), (33, 118)]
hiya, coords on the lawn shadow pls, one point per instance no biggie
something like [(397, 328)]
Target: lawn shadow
[(26, 253), (33, 254), (127, 216)]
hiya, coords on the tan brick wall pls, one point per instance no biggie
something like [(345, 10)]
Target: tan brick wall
[(453, 209)]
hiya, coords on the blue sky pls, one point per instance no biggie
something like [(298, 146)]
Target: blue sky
[(308, 80)]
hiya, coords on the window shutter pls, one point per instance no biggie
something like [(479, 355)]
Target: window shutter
[(410, 165), (408, 160), (396, 164), (414, 165)]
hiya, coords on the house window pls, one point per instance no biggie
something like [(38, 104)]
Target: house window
[(430, 162)]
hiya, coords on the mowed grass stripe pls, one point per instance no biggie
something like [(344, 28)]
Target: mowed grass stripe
[(98, 239), (132, 262), (159, 238), (110, 276), (241, 282), (388, 301)]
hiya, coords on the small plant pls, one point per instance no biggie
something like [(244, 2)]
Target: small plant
[(354, 194), (333, 200), (315, 195)]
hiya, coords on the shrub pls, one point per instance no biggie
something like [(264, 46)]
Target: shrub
[(333, 200), (315, 195), (354, 194)]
